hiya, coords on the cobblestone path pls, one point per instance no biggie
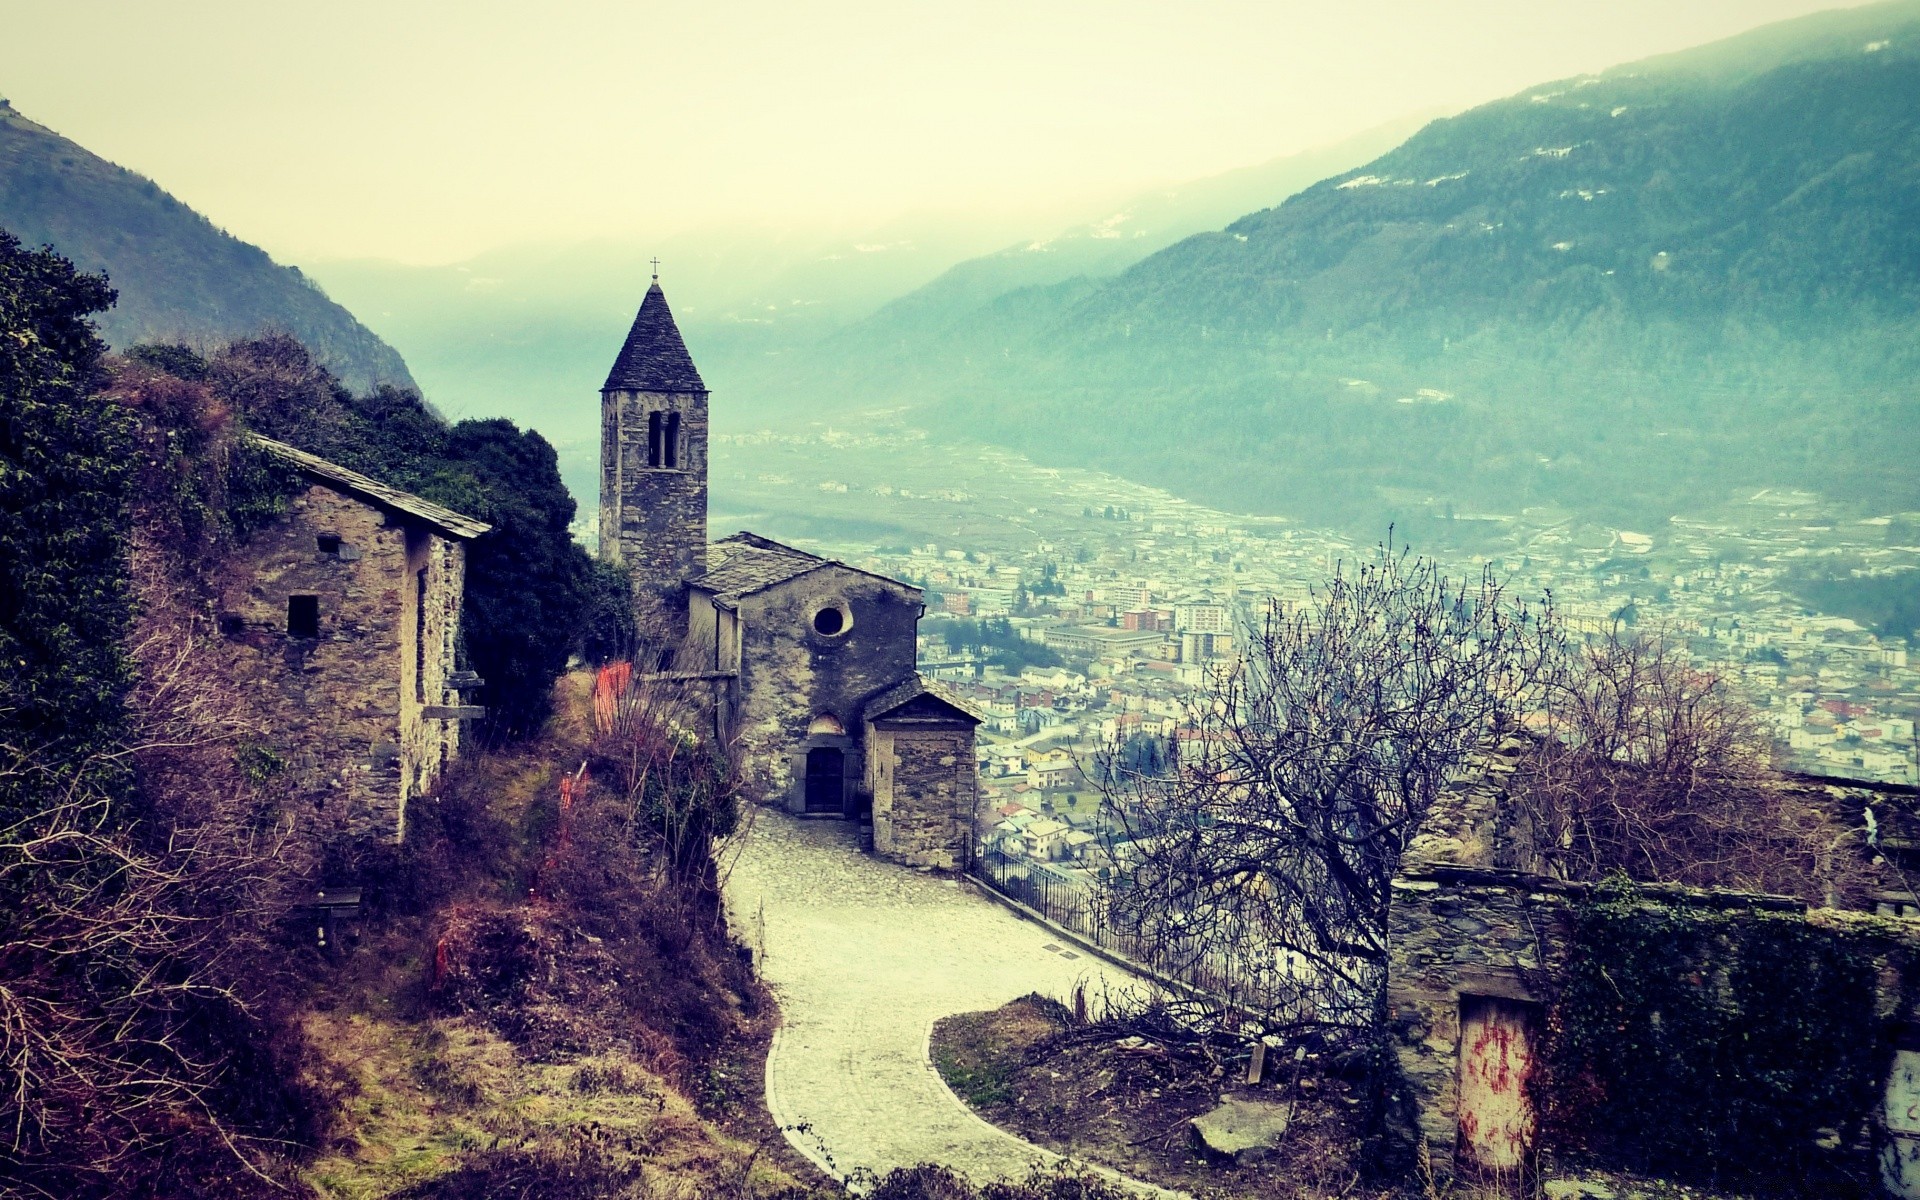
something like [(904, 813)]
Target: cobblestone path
[(864, 957)]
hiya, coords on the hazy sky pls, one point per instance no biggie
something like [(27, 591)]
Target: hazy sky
[(427, 131)]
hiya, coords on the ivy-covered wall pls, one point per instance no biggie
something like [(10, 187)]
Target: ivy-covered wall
[(1724, 1043), (1715, 1037)]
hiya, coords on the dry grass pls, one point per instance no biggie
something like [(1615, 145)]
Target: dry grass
[(430, 1098)]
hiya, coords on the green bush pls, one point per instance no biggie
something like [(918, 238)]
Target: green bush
[(65, 474)]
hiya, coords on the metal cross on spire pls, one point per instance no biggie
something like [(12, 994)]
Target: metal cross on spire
[(656, 270)]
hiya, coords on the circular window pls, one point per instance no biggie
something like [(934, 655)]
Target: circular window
[(831, 621)]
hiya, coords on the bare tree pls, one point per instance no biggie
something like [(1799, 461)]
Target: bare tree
[(1656, 768), (1264, 858), (132, 921)]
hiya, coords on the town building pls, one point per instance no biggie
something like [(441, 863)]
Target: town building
[(1201, 616), (1103, 641), (340, 621)]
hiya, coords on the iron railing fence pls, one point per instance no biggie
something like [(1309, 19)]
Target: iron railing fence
[(1246, 979)]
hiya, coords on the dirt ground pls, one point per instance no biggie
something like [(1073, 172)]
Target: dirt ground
[(1124, 1101)]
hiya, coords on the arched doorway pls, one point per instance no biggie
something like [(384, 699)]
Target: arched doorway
[(826, 780)]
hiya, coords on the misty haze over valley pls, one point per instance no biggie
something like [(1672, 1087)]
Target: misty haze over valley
[(997, 602)]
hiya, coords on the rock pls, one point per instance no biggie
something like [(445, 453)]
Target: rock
[(1242, 1131), (1577, 1189)]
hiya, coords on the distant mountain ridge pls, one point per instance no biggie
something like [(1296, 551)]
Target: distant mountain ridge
[(1148, 223), (527, 331), (179, 277), (952, 314), (1626, 291)]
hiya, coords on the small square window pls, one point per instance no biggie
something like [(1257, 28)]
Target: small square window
[(330, 544), (303, 616)]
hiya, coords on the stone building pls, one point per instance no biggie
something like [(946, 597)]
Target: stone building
[(811, 663), (920, 775), (1481, 938), (653, 464), (340, 621)]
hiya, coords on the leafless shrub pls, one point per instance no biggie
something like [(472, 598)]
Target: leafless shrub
[(655, 745), (927, 1181), (1655, 768), (621, 941), (136, 924)]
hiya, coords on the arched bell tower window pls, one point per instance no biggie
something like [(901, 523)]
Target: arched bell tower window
[(663, 440)]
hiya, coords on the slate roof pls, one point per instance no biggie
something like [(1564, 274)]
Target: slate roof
[(913, 687), (654, 358), (747, 563), (392, 499)]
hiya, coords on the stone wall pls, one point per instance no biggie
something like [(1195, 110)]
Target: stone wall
[(923, 783), (790, 674), (343, 708), (1479, 929), (1465, 936), (654, 519), (1462, 933), (430, 620)]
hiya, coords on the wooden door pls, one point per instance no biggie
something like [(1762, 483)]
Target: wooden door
[(1496, 1061), (826, 780)]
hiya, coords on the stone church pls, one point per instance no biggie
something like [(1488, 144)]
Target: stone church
[(812, 661)]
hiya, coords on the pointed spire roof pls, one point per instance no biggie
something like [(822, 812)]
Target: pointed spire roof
[(654, 359)]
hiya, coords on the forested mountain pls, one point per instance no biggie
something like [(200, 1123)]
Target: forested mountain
[(958, 302), (1626, 292), (179, 277)]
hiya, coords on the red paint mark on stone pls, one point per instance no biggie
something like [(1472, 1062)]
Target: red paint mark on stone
[(1496, 1115)]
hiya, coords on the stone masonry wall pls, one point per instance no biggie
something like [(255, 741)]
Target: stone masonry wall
[(1478, 934), (1474, 932), (789, 674), (923, 784), (654, 519), (432, 615), (336, 706)]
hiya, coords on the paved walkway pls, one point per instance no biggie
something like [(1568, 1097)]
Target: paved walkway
[(864, 957)]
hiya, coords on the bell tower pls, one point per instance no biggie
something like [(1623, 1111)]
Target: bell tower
[(653, 465)]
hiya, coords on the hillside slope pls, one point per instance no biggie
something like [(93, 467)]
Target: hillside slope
[(1625, 291), (179, 277)]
